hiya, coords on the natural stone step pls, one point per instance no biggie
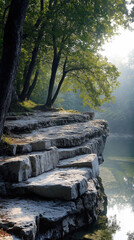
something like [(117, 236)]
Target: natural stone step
[(87, 160), (21, 124), (38, 177), (62, 137), (69, 181), (95, 145), (64, 184), (40, 219), (20, 168)]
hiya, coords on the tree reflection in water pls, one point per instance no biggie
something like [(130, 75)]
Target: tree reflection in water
[(104, 229), (130, 236)]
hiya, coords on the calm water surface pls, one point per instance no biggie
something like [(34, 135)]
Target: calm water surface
[(117, 173)]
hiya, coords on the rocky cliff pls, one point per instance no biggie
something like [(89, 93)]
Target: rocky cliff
[(49, 172)]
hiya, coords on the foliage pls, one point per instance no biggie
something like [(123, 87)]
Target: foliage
[(130, 236), (71, 100), (25, 106), (105, 229), (74, 31), (75, 42), (7, 139), (96, 79), (68, 35), (121, 114), (28, 105)]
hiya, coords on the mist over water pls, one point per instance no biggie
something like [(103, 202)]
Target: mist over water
[(117, 175)]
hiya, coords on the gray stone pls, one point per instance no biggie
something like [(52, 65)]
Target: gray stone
[(94, 145), (23, 123), (72, 152), (15, 216), (61, 184), (16, 169), (87, 160), (8, 149), (2, 186), (24, 148), (72, 184), (44, 161), (41, 145), (100, 159), (25, 218), (66, 136)]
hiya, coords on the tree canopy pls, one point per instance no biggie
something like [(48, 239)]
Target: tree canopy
[(61, 44), (64, 37)]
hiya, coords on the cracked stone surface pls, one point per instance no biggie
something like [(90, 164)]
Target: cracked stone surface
[(94, 145), (20, 168), (37, 219), (53, 169), (87, 160), (58, 184), (60, 136), (43, 119)]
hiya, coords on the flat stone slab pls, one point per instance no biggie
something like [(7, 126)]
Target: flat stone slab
[(94, 145), (20, 168), (57, 184), (24, 215), (86, 160), (20, 124), (15, 169), (65, 194), (40, 219), (60, 136)]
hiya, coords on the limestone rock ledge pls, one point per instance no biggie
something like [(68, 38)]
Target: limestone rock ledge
[(49, 175), (40, 219)]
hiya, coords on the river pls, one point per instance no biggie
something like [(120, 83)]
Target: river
[(117, 174)]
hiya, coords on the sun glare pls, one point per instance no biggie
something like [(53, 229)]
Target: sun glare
[(120, 46)]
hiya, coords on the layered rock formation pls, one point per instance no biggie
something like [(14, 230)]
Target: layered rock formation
[(49, 174)]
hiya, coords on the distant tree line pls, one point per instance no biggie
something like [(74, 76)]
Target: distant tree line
[(120, 114)]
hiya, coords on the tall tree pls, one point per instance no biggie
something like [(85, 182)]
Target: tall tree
[(38, 29), (81, 27), (10, 55), (35, 38)]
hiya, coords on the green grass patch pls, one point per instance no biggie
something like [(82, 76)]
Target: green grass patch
[(71, 111), (28, 104), (7, 139), (25, 106)]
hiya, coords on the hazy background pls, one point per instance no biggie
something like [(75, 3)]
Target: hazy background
[(119, 51)]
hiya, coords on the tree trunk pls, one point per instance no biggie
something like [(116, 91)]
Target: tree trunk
[(14, 97), (60, 83), (29, 73), (58, 89), (10, 54), (55, 64), (31, 88), (32, 63)]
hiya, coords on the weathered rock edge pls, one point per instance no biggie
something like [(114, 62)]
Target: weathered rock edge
[(37, 218), (21, 124)]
